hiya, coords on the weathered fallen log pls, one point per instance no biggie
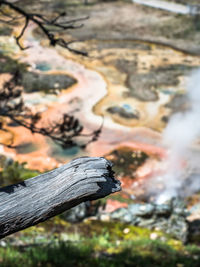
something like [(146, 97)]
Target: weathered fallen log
[(37, 199)]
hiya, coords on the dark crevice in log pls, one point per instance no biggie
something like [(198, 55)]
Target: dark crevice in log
[(40, 198)]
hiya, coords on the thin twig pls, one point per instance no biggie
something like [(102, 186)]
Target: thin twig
[(43, 23), (21, 34)]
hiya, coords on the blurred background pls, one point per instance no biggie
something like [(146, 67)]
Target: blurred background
[(118, 79)]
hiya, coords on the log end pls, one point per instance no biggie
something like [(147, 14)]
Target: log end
[(111, 184), (100, 175)]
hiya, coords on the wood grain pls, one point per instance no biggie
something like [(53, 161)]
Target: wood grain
[(42, 197)]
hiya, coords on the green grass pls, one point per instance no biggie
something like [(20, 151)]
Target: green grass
[(98, 244), (85, 253)]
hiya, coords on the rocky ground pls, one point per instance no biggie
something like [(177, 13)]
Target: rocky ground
[(139, 62), (145, 79)]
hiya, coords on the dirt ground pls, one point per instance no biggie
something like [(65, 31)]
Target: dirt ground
[(137, 52), (120, 20)]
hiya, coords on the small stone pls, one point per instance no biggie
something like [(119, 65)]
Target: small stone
[(77, 213), (122, 112), (3, 243), (91, 218), (141, 209), (64, 237), (119, 213), (56, 85), (128, 218), (133, 197), (126, 231), (163, 209), (153, 236), (148, 223), (105, 217), (136, 220), (195, 257)]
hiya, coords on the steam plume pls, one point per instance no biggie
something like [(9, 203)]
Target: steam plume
[(181, 133)]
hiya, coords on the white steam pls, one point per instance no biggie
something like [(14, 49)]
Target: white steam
[(180, 134)]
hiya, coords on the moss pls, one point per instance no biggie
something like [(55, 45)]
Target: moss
[(176, 244), (116, 231)]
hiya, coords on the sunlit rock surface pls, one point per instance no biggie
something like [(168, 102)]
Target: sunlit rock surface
[(169, 217)]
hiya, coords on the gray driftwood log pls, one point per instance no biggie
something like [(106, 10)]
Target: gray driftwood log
[(37, 199)]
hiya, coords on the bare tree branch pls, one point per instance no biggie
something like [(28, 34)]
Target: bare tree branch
[(45, 25), (21, 34), (65, 132), (68, 130)]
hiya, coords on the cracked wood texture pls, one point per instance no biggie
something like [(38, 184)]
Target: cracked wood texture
[(42, 197)]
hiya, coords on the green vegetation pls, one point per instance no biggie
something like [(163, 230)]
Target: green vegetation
[(95, 243), (15, 173), (101, 244)]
